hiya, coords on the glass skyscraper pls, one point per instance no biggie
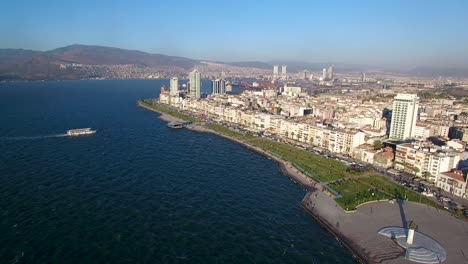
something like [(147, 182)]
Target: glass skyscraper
[(219, 86), (195, 84)]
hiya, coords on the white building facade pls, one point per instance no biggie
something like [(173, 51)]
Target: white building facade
[(404, 116), (174, 86)]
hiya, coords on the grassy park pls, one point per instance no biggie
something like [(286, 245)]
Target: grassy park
[(322, 168), (397, 191), (224, 130), (354, 193)]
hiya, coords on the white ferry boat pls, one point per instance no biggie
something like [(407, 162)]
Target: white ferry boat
[(80, 131)]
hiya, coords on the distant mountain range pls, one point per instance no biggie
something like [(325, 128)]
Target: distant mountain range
[(28, 64), (31, 65)]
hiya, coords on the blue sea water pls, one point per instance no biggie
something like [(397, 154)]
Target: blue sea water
[(138, 191)]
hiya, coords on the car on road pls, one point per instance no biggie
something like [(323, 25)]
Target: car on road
[(428, 194), (445, 199), (452, 204)]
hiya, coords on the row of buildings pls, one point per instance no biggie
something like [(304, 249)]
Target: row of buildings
[(347, 125), (235, 110)]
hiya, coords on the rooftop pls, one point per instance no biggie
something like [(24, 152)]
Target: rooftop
[(456, 175)]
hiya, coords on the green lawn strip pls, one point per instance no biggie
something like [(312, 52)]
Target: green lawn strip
[(398, 191), (170, 112), (322, 168), (224, 130), (354, 193)]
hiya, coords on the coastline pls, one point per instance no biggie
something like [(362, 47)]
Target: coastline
[(291, 172), (358, 230), (285, 167)]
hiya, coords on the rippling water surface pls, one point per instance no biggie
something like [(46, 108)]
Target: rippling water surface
[(138, 191)]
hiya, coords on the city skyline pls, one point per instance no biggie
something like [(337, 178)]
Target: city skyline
[(397, 34)]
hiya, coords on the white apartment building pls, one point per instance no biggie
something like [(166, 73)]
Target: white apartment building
[(404, 116), (454, 182), (442, 162), (440, 130), (422, 130), (421, 160), (291, 91)]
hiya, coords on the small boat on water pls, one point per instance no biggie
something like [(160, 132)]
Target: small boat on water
[(80, 132), (176, 125)]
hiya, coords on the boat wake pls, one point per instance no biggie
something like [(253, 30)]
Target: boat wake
[(33, 137)]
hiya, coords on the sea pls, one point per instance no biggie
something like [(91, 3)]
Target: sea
[(138, 191)]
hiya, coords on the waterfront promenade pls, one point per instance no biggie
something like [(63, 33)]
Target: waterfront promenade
[(358, 230)]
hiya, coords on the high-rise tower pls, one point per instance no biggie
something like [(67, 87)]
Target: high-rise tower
[(195, 84), (275, 71), (284, 72), (404, 115), (219, 86), (174, 86), (331, 70), (324, 74)]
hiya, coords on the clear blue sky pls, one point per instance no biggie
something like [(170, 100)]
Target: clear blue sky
[(387, 32)]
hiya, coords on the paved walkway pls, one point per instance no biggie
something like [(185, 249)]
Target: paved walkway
[(360, 228)]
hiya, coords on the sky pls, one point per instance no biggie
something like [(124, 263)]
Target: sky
[(395, 33)]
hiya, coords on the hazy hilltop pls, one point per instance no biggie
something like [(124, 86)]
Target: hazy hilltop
[(12, 56), (85, 61), (28, 64), (99, 55)]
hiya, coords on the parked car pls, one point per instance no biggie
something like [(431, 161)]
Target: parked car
[(428, 194), (452, 204)]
